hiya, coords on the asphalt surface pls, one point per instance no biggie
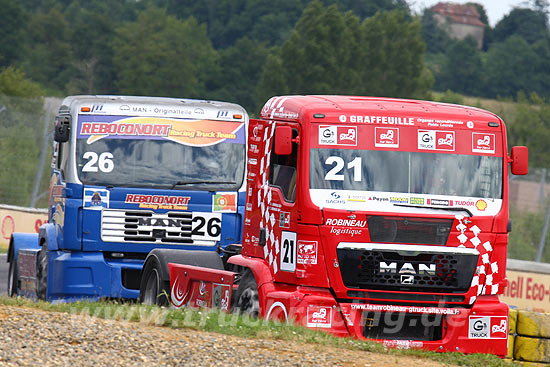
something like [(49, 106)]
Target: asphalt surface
[(3, 274)]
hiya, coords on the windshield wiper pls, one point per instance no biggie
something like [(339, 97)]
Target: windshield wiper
[(182, 183), (453, 209)]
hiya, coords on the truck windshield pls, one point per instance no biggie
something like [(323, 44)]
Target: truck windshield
[(406, 172), (209, 155)]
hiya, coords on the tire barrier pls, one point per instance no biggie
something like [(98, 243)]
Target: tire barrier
[(530, 343)]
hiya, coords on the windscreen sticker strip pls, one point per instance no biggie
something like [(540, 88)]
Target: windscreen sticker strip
[(187, 132), (406, 138)]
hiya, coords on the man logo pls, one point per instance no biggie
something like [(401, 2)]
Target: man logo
[(407, 279)]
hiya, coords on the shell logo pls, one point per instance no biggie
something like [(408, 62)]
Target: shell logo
[(481, 205)]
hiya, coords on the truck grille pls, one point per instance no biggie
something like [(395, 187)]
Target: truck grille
[(411, 268), (141, 226)]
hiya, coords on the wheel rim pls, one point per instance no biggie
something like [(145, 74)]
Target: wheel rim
[(151, 288)]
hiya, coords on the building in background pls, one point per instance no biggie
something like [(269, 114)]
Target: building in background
[(459, 21)]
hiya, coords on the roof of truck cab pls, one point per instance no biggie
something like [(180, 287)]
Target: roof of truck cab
[(294, 107), (162, 102)]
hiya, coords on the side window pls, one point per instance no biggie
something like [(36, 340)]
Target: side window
[(283, 170)]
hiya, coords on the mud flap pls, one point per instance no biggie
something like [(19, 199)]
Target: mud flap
[(200, 287), (27, 265)]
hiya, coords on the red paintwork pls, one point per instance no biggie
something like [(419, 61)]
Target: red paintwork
[(311, 291)]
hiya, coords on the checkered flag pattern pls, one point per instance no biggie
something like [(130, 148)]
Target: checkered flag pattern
[(272, 246), (482, 281)]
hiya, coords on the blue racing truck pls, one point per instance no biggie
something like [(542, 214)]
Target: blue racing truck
[(132, 174)]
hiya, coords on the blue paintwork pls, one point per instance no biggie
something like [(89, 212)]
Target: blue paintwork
[(77, 268)]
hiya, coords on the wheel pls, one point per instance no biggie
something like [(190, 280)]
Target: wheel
[(248, 298), (153, 290), (12, 278), (42, 274)]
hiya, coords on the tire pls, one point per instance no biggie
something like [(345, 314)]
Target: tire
[(153, 289), (248, 298), (12, 278), (42, 274)]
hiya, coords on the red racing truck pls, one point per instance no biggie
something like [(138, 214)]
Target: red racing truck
[(375, 218)]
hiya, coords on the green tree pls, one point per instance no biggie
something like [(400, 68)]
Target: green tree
[(435, 37), (161, 55), (323, 53), (332, 53), (393, 64), (241, 66), (92, 53), (531, 127), (13, 20), (508, 68), (462, 71), (20, 119), (529, 24), (47, 55)]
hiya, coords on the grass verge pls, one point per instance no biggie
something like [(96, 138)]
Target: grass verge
[(242, 326)]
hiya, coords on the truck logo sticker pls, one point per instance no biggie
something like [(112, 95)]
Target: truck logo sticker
[(436, 140), (386, 137), (337, 135), (319, 316), (483, 143), (407, 268), (186, 132), (224, 202), (307, 252), (284, 220), (95, 199), (158, 201), (488, 327)]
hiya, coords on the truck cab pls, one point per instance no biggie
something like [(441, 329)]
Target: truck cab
[(131, 174), (382, 219)]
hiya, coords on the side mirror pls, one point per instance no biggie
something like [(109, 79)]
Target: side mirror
[(283, 140), (520, 160), (62, 129)]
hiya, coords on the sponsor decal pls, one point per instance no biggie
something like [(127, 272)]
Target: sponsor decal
[(158, 201), (405, 309), (337, 135), (488, 327), (376, 198), (403, 344), (483, 143), (224, 202), (319, 316), (187, 132), (481, 205), (284, 220), (436, 140), (464, 203), (335, 198), (307, 252), (399, 200), (95, 199), (386, 137), (383, 120), (440, 202), (417, 201), (346, 222), (252, 161), (357, 198), (350, 231)]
